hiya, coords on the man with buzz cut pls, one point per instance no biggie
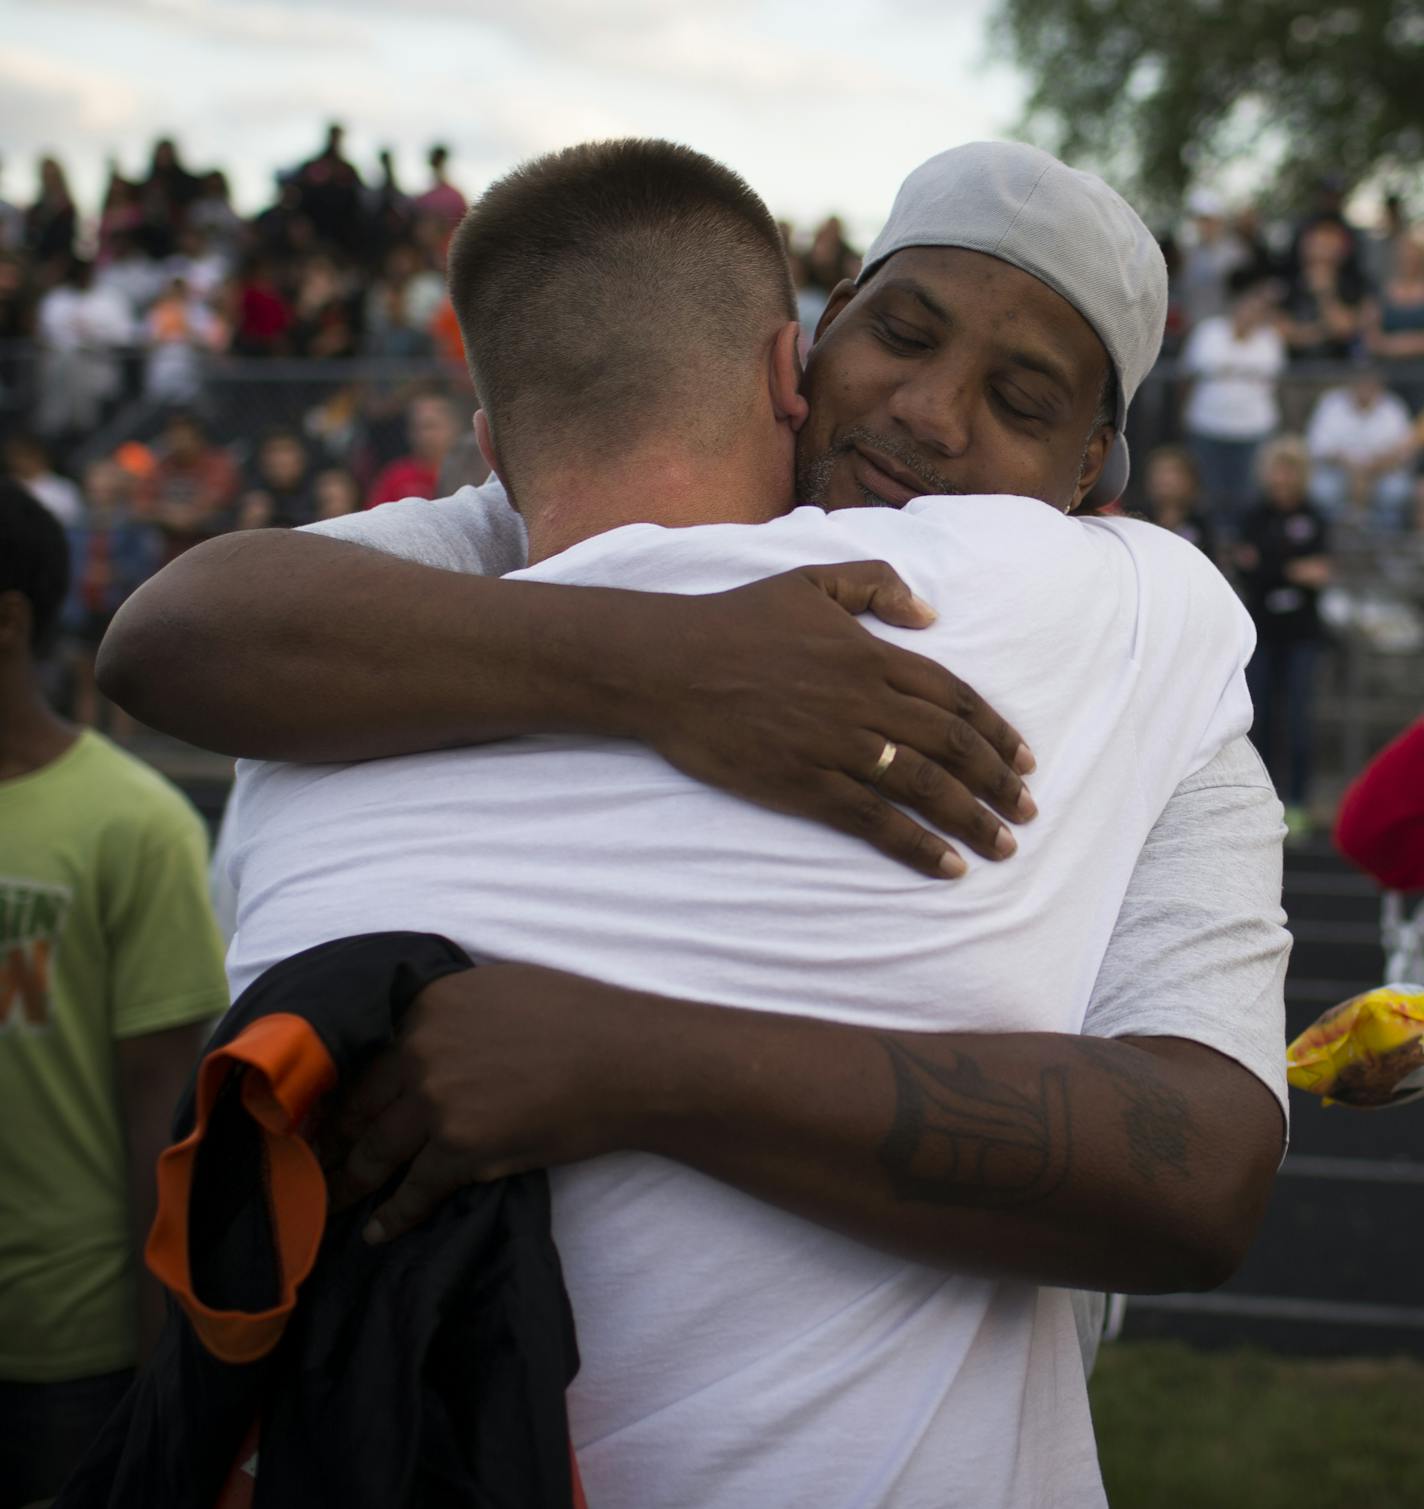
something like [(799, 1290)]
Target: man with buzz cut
[(806, 1238)]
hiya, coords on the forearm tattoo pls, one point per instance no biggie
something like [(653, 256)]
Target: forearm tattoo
[(961, 1139), (1156, 1118)]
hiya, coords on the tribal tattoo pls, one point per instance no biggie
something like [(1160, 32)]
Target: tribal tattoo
[(961, 1139), (1157, 1117)]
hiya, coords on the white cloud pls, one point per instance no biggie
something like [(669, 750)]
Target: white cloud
[(254, 23), (46, 94), (822, 104)]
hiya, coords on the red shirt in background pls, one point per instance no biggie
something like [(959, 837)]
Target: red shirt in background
[(407, 478), (263, 316), (1380, 825)]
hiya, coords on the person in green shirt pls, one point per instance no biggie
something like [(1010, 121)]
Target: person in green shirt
[(110, 971)]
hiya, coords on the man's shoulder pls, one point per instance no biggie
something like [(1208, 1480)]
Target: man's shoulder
[(139, 796), (112, 803), (1169, 560), (931, 538), (473, 530), (1237, 767)]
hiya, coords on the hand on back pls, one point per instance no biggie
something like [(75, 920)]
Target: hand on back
[(774, 693)]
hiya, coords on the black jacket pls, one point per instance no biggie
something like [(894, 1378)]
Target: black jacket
[(428, 1373)]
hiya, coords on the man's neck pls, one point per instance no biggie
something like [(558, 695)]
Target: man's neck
[(31, 734), (676, 492)]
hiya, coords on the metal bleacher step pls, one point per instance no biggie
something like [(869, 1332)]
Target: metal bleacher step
[(1334, 1269)]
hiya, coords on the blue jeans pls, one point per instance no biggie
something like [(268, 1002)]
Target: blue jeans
[(1228, 478), (1281, 678), (1388, 503), (45, 1428)]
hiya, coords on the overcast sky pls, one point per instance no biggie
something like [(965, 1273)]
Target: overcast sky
[(822, 104)]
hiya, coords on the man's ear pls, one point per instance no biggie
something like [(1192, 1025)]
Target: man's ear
[(1094, 459), (841, 295), (784, 377), (485, 440)]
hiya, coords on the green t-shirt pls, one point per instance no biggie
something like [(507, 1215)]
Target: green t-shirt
[(106, 932)]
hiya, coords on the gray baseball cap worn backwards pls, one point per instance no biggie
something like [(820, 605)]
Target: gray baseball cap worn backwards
[(1066, 228)]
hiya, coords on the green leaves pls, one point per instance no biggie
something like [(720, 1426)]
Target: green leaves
[(1155, 95)]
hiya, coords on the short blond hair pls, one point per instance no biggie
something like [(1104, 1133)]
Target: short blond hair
[(1290, 448)]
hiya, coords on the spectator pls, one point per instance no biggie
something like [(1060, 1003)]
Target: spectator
[(166, 194), (1283, 559), (12, 227), (1394, 322), (17, 325), (1328, 208), (133, 277), (82, 330), (1380, 247), (111, 554), (1380, 825), (389, 214), (181, 330), (279, 495), (829, 260), (432, 429), (1212, 255), (110, 970), (336, 493), (212, 215), (27, 461), (1252, 236), (1324, 311), (284, 231), (1233, 361), (51, 221), (327, 311), (442, 199), (200, 264), (401, 306), (1174, 497), (191, 487), (1362, 443), (449, 343), (261, 315), (121, 217), (331, 194), (431, 236)]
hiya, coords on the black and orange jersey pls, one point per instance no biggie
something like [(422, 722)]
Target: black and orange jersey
[(300, 1366)]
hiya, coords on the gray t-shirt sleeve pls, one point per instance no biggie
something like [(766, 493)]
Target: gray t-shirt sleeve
[(475, 530), (1200, 947)]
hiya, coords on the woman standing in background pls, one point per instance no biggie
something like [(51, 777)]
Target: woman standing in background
[(1283, 562)]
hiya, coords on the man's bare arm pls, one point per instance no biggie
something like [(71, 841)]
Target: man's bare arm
[(1132, 1158), (1131, 1164), (282, 645), (152, 1070)]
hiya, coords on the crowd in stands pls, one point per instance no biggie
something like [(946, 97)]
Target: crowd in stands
[(170, 369)]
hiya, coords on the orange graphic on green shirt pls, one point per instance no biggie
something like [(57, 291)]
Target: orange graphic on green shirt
[(31, 917)]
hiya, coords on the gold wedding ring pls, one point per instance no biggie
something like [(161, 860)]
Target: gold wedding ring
[(886, 760)]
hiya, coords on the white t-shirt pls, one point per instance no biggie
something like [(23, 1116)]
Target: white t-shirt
[(1234, 396), (1340, 427), (734, 1354)]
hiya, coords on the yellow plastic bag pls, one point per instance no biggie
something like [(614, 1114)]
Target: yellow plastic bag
[(1367, 1052)]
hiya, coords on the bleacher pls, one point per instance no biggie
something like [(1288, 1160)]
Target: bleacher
[(1335, 1268)]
